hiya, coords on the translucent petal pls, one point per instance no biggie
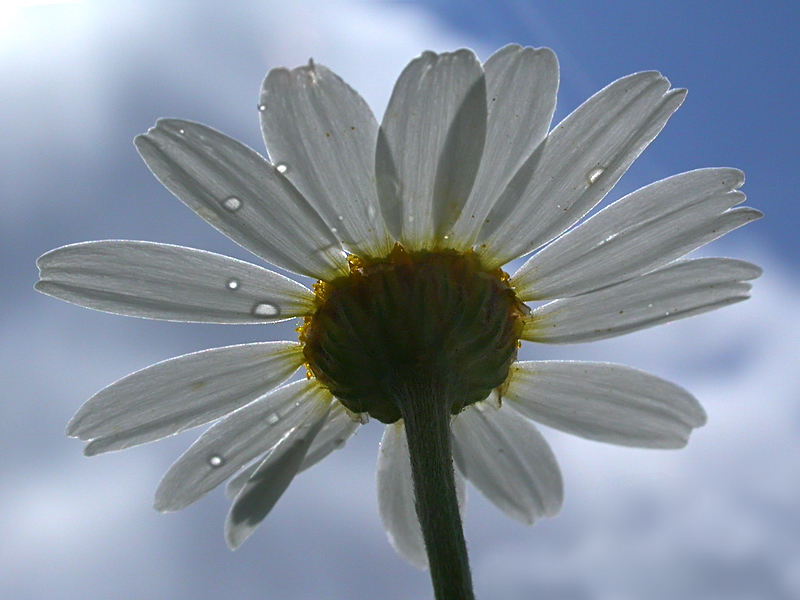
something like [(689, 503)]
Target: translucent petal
[(576, 165), (604, 402), (160, 281), (508, 460), (236, 440), (396, 496), (682, 289), (521, 87), (272, 477), (180, 393), (323, 134), (242, 195), (430, 144), (641, 232), (338, 428)]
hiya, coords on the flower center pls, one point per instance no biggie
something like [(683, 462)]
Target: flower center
[(433, 317)]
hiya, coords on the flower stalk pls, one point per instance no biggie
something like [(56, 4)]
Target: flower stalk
[(425, 406)]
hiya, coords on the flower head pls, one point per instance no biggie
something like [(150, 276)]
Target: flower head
[(406, 227)]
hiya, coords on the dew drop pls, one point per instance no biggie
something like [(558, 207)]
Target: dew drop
[(262, 107), (233, 284), (281, 167), (341, 217), (650, 305), (215, 460), (273, 418), (181, 131), (265, 309), (334, 230), (232, 204), (371, 212), (611, 237), (595, 174)]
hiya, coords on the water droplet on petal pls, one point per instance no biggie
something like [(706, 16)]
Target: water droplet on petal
[(262, 107), (595, 174), (371, 211), (232, 204), (650, 305), (265, 309), (233, 284), (281, 167), (334, 230), (341, 217), (215, 460), (181, 131), (273, 418), (610, 237)]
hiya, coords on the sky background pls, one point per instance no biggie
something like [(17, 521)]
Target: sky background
[(718, 520)]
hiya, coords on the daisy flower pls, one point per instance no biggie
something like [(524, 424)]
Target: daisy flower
[(406, 226)]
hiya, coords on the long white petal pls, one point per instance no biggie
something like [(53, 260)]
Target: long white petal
[(509, 461), (430, 144), (682, 289), (396, 497), (323, 135), (236, 440), (161, 281), (576, 165), (641, 232), (242, 195), (396, 503), (180, 393), (338, 428), (521, 88), (604, 402), (267, 484)]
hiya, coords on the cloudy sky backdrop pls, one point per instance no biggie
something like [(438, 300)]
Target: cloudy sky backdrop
[(718, 520)]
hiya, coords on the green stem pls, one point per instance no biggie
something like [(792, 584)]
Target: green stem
[(426, 413)]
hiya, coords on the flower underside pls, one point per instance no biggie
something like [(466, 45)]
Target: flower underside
[(413, 319)]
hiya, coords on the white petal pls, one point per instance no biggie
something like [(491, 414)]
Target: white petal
[(242, 195), (339, 427), (604, 402), (521, 87), (430, 144), (682, 289), (641, 232), (236, 440), (509, 461), (576, 165), (271, 478), (180, 393), (161, 281), (323, 134), (396, 497)]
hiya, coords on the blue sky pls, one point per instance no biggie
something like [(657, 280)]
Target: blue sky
[(79, 80)]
